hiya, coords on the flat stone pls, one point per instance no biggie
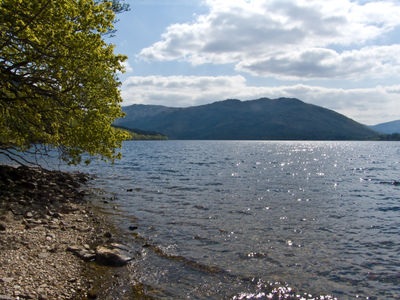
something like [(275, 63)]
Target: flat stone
[(35, 221), (82, 253), (73, 248)]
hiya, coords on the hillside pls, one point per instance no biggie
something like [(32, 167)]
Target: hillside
[(388, 127), (262, 119)]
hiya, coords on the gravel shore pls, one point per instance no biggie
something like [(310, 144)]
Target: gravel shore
[(50, 236)]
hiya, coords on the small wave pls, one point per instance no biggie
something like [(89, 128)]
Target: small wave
[(203, 163), (187, 262), (214, 184), (183, 188), (200, 207), (385, 209), (168, 171), (241, 212), (325, 229), (394, 182), (383, 277)]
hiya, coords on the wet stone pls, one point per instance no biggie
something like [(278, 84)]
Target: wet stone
[(112, 256)]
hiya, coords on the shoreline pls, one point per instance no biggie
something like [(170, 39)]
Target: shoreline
[(51, 236)]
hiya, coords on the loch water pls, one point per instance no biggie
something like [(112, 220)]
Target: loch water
[(230, 219)]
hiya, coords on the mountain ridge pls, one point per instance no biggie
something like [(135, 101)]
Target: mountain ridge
[(233, 119), (387, 127)]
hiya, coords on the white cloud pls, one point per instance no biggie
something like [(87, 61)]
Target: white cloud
[(369, 106), (291, 39), (320, 63), (178, 90)]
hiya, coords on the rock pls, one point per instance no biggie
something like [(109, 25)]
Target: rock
[(120, 247), (28, 215), (2, 227), (112, 256), (87, 255), (51, 235), (92, 294), (26, 296), (28, 185), (132, 228), (82, 253), (42, 293), (53, 249), (6, 280), (57, 215), (43, 255)]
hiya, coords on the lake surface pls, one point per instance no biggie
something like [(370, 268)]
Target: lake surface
[(229, 219)]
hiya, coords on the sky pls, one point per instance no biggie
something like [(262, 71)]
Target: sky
[(340, 54)]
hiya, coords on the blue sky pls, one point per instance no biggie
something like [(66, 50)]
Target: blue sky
[(339, 54)]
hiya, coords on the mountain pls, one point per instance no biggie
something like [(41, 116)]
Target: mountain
[(262, 119), (388, 127)]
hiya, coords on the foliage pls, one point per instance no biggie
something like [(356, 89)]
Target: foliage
[(118, 6), (142, 135), (59, 78), (146, 137)]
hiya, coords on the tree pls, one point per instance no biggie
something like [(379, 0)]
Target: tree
[(59, 81)]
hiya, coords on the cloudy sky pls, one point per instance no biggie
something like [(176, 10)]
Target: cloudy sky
[(339, 54)]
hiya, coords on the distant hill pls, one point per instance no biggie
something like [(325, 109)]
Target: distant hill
[(388, 127), (262, 119)]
